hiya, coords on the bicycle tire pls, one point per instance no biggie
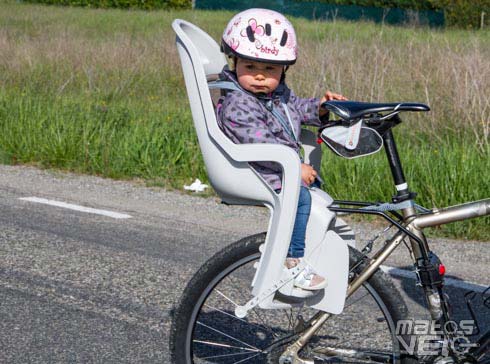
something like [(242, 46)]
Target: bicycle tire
[(190, 317)]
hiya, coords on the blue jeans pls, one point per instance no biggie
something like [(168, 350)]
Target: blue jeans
[(297, 246)]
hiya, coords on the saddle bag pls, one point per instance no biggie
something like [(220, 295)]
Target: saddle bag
[(351, 141)]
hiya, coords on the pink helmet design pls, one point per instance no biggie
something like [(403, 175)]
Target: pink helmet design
[(261, 35)]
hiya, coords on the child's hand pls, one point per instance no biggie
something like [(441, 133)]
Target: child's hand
[(308, 174), (329, 96)]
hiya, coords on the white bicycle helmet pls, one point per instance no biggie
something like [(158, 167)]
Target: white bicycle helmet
[(260, 35)]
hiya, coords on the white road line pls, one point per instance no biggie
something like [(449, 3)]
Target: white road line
[(70, 206), (390, 270), (448, 281)]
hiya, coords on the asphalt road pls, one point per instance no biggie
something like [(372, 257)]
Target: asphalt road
[(78, 287)]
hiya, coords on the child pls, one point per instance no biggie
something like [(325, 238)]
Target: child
[(260, 108)]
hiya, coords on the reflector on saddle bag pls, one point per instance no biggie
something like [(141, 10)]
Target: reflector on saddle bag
[(351, 141)]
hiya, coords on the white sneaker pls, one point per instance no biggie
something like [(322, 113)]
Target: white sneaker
[(307, 279)]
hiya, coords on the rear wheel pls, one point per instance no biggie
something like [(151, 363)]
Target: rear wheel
[(205, 329)]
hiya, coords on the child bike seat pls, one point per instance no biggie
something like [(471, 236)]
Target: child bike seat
[(233, 179), (227, 164)]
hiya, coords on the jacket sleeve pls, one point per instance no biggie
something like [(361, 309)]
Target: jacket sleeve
[(307, 108)]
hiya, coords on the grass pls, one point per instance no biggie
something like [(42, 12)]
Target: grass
[(121, 141), (101, 92), (444, 175)]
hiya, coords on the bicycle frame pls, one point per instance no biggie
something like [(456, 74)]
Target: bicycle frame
[(411, 225)]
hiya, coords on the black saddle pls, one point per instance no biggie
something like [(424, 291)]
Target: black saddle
[(351, 110)]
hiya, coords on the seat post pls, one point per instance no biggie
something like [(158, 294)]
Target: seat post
[(420, 250), (401, 185)]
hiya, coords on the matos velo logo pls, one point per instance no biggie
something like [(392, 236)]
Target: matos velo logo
[(428, 338)]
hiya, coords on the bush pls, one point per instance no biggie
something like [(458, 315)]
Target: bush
[(460, 13), (465, 13), (123, 4), (402, 4)]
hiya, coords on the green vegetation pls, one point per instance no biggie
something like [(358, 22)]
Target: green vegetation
[(460, 13), (121, 4), (469, 14), (403, 4), (101, 92)]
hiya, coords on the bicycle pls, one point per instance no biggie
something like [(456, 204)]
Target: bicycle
[(207, 329)]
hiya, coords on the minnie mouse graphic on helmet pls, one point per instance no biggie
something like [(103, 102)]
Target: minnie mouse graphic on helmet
[(260, 35)]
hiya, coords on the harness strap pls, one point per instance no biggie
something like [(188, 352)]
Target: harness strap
[(223, 84), (288, 128)]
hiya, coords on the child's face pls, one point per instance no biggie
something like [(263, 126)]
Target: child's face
[(258, 77)]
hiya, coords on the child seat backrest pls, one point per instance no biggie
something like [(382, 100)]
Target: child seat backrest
[(232, 178)]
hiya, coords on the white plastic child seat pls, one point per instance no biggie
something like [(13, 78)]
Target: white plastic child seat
[(227, 164)]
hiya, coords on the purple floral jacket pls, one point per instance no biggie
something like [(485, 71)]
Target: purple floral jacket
[(249, 118)]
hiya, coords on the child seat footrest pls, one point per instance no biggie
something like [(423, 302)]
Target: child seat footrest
[(241, 311)]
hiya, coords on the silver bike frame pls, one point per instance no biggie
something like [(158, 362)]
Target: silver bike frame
[(452, 214), (415, 225)]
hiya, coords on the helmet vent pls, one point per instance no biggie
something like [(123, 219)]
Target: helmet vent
[(284, 38), (267, 29), (250, 34)]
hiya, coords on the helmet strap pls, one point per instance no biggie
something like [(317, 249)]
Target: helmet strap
[(283, 75), (232, 59)]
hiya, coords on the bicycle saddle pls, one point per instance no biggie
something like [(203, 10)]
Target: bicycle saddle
[(349, 110)]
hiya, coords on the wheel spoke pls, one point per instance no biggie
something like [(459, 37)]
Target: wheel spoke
[(254, 309), (227, 356), (227, 298), (240, 319), (271, 330), (228, 336), (221, 345)]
